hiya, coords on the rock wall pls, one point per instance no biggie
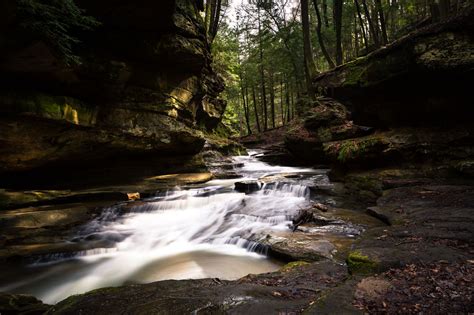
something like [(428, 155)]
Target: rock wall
[(145, 86), (424, 78), (400, 116)]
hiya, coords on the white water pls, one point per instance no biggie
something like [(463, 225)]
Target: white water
[(194, 233)]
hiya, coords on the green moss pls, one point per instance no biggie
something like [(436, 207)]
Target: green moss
[(324, 134), (48, 106), (292, 265), (356, 72), (361, 264)]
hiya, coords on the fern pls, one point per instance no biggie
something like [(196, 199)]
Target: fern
[(55, 22)]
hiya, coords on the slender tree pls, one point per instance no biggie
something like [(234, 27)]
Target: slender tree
[(320, 36), (338, 29), (310, 67)]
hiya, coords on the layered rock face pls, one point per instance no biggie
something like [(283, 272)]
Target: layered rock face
[(415, 95), (422, 79), (399, 116), (145, 86)]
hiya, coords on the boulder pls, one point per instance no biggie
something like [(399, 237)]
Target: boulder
[(328, 121), (21, 304), (248, 186)]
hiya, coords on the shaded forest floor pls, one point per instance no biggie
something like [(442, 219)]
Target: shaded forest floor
[(265, 139)]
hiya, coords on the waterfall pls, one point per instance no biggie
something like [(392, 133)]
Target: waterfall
[(208, 231)]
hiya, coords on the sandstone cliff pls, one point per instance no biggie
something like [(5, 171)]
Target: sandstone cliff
[(145, 85)]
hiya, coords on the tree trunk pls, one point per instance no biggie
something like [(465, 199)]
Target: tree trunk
[(246, 109), (338, 28), (325, 13), (215, 19), (254, 96), (281, 100), (383, 25), (272, 99), (262, 75), (207, 17), (371, 24), (288, 104), (444, 6), (362, 26), (320, 36), (310, 67)]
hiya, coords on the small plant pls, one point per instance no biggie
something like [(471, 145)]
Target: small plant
[(351, 149), (55, 22)]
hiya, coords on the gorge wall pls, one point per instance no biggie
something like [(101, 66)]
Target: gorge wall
[(410, 101), (399, 116), (145, 86), (422, 79)]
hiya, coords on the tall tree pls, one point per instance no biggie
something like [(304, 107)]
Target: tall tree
[(262, 72), (310, 66), (338, 29), (362, 25), (383, 25), (213, 15), (372, 28), (320, 36), (257, 120)]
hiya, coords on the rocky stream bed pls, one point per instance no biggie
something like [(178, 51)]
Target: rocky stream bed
[(343, 256)]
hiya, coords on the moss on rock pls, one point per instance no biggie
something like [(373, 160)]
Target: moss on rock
[(360, 264), (293, 264)]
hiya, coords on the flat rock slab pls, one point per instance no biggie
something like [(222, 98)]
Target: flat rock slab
[(429, 223), (290, 291), (39, 218), (184, 178), (298, 246)]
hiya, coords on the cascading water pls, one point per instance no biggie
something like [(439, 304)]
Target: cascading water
[(201, 232)]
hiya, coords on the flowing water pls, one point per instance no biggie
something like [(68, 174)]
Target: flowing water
[(187, 233)]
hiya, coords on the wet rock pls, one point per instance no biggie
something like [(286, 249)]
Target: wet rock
[(11, 199), (46, 251), (380, 214), (291, 290), (247, 186), (180, 179), (429, 223), (465, 167), (34, 218), (298, 246), (21, 304), (133, 196)]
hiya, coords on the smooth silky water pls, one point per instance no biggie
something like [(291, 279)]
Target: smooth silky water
[(201, 232)]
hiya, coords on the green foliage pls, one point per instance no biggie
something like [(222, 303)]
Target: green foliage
[(225, 50), (354, 148), (56, 22)]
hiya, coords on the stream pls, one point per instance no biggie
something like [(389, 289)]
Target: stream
[(202, 231)]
